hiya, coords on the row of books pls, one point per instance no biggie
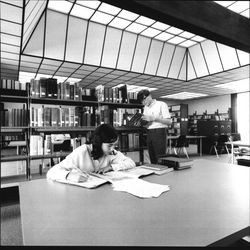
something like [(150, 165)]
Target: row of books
[(128, 141), (5, 139), (50, 88), (52, 143), (12, 84), (13, 117), (63, 116), (115, 94)]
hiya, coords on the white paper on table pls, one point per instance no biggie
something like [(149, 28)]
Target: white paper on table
[(140, 188)]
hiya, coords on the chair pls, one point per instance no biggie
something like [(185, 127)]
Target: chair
[(218, 143), (180, 145)]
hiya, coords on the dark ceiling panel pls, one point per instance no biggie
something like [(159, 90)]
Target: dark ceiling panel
[(204, 18)]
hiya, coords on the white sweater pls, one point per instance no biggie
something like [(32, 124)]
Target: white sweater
[(81, 158)]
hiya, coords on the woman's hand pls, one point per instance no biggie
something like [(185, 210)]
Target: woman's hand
[(77, 176), (104, 170)]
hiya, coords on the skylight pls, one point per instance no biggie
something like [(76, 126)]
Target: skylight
[(184, 95), (241, 85), (62, 6), (126, 20), (240, 7), (81, 11)]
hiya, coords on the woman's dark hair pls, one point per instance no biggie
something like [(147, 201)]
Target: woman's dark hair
[(142, 94), (104, 133)]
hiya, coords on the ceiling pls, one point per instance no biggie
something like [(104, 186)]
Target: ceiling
[(138, 43)]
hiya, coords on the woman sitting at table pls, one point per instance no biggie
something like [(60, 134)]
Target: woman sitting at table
[(99, 156)]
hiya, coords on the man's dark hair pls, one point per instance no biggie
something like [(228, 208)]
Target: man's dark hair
[(104, 133), (142, 94)]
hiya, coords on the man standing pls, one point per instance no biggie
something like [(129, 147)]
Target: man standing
[(157, 115)]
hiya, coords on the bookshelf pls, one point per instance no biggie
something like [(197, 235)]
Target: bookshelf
[(85, 109), (14, 130), (195, 118), (179, 116)]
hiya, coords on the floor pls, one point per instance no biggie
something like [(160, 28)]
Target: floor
[(11, 230)]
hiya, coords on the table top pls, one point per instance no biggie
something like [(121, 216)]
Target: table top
[(206, 204), (187, 136), (239, 143)]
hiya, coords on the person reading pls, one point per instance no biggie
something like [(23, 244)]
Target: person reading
[(157, 115), (97, 156)]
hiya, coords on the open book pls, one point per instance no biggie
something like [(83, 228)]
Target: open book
[(96, 180), (128, 181), (136, 120), (91, 182)]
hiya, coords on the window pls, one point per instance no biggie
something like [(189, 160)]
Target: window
[(243, 117)]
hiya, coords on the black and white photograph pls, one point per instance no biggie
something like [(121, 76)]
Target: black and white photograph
[(125, 123)]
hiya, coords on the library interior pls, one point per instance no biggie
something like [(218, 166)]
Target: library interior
[(69, 66)]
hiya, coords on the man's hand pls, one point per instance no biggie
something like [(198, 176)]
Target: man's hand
[(149, 118)]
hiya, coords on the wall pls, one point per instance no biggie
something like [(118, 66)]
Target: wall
[(211, 104)]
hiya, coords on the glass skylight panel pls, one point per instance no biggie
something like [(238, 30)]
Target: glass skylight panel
[(119, 23), (128, 15), (160, 26), (174, 30), (198, 38), (150, 32), (241, 85), (110, 9), (239, 6), (184, 95), (102, 17), (136, 27), (187, 43), (224, 3), (176, 40), (91, 4), (186, 34), (81, 11), (164, 36), (145, 20), (61, 6), (245, 13)]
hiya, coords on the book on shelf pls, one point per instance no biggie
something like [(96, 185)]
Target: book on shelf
[(176, 163)]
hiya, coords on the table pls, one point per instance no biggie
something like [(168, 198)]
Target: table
[(199, 137), (208, 204), (236, 143)]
